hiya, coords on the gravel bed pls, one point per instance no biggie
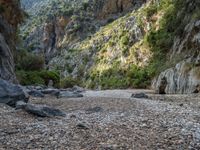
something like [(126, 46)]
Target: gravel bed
[(108, 122)]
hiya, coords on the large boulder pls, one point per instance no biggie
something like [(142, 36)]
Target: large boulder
[(40, 110), (10, 93), (184, 78)]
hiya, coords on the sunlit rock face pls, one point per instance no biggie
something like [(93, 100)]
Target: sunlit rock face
[(56, 30), (10, 17)]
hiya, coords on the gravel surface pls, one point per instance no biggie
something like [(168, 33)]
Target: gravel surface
[(106, 120)]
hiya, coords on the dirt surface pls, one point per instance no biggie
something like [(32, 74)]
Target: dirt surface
[(106, 120)]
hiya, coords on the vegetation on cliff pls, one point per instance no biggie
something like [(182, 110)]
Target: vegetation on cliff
[(125, 49)]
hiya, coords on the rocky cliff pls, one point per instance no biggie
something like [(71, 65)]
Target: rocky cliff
[(61, 24), (10, 17), (120, 44), (184, 76)]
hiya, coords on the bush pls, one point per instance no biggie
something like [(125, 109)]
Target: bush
[(50, 75), (69, 82), (124, 40), (29, 62), (37, 77), (29, 78)]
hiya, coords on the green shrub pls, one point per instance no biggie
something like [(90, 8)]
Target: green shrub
[(29, 78), (125, 40), (29, 62), (69, 82), (37, 77), (50, 75)]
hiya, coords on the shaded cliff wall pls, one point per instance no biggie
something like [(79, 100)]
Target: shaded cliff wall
[(10, 17)]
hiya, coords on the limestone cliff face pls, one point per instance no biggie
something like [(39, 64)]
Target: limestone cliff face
[(110, 7), (57, 31), (184, 77), (10, 17)]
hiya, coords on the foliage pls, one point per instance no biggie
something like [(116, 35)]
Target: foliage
[(37, 77), (69, 82), (28, 61), (116, 77)]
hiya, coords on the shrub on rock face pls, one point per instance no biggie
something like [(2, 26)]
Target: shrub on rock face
[(28, 61)]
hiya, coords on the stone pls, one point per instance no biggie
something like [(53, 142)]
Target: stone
[(10, 93), (51, 91), (82, 126), (181, 79), (94, 110), (139, 95), (68, 94), (50, 84), (36, 93), (43, 111), (20, 105), (78, 89)]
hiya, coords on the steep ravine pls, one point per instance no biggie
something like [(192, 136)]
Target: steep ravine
[(120, 44)]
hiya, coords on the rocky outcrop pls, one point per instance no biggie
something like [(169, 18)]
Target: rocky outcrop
[(10, 17), (6, 61), (10, 94), (111, 7), (64, 30), (185, 76)]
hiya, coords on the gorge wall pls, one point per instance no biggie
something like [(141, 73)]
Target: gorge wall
[(119, 44), (184, 76), (10, 17)]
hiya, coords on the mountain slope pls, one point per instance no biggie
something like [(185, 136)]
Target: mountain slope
[(124, 46)]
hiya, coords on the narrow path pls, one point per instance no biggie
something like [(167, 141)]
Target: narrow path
[(106, 120)]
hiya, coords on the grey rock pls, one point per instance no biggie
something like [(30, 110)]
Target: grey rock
[(78, 89), (36, 93), (178, 80), (139, 95), (94, 110), (10, 93), (68, 94), (50, 91), (20, 105), (6, 63), (43, 111), (82, 126)]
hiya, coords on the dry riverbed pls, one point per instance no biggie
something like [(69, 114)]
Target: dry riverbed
[(106, 120)]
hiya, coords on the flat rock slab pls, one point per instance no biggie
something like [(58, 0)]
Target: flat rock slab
[(68, 94), (40, 110), (10, 93), (139, 95), (94, 110), (36, 93), (50, 91)]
